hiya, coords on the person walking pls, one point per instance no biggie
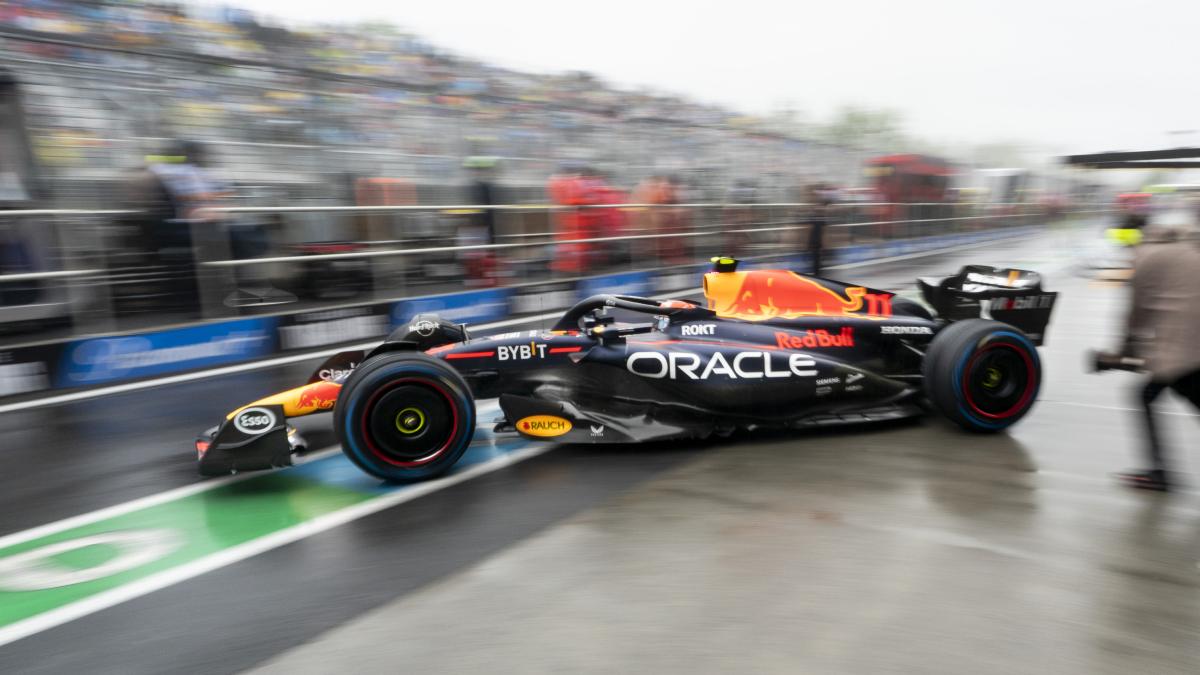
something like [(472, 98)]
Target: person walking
[(1162, 328)]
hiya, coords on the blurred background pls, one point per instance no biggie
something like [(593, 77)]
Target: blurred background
[(201, 200), (168, 162)]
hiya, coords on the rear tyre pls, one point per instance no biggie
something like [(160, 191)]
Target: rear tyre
[(983, 375), (404, 416)]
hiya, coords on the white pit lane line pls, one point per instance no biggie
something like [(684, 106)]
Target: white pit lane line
[(170, 577), (227, 557), (484, 411)]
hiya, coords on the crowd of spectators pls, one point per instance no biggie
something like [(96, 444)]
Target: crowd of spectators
[(377, 51), (220, 73)]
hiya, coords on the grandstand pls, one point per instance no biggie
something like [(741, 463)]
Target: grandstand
[(107, 82)]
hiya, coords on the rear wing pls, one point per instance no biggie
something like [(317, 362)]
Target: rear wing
[(1012, 296)]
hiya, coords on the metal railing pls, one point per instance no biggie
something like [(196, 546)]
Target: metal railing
[(575, 241), (96, 284)]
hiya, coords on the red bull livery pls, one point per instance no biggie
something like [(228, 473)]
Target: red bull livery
[(769, 349)]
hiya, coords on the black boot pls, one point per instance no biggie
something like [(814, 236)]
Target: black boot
[(1153, 479)]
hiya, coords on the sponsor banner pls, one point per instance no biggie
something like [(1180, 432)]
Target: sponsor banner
[(469, 307), (800, 261), (540, 298), (853, 254), (334, 326), (27, 370), (112, 359), (625, 283)]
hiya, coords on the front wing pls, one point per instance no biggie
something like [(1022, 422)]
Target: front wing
[(257, 435)]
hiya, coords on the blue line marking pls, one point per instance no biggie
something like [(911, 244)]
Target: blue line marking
[(339, 471)]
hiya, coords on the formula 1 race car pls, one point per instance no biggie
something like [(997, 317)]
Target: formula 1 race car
[(773, 349)]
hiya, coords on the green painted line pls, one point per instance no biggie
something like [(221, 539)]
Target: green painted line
[(204, 524), (56, 574)]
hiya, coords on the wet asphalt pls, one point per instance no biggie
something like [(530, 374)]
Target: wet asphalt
[(906, 548)]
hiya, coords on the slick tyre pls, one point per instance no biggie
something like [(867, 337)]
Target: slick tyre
[(404, 416), (983, 375)]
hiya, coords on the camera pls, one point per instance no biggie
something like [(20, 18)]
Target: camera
[(1099, 361)]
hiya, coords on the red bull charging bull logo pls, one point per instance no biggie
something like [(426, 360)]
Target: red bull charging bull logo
[(311, 398), (317, 396), (769, 294)]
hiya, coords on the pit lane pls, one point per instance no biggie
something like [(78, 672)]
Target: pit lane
[(834, 537)]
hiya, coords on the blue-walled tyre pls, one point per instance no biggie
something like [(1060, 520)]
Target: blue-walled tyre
[(404, 416), (983, 375)]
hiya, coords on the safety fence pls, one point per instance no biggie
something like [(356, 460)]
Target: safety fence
[(117, 312)]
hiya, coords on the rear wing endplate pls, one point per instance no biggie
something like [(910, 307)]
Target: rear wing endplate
[(1004, 294)]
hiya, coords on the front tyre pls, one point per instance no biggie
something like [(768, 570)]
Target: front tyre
[(984, 375), (404, 416)]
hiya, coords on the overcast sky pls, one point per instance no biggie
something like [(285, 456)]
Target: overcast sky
[(1062, 75)]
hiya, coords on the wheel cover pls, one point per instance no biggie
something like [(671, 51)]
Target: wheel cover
[(999, 380), (410, 422)]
